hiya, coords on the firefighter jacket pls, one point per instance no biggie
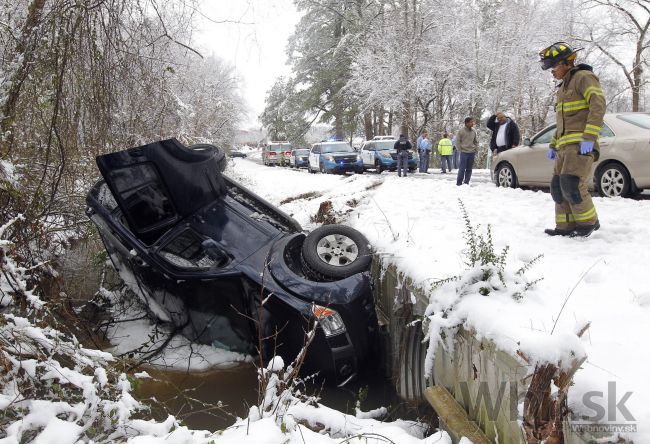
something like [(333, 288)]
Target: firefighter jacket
[(445, 147), (580, 108)]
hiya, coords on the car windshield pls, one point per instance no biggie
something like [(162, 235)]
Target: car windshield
[(302, 152), (280, 147), (641, 119), (382, 145), (336, 148)]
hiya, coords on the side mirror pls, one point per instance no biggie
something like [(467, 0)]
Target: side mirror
[(527, 141)]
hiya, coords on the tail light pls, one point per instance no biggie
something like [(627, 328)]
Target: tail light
[(272, 153)]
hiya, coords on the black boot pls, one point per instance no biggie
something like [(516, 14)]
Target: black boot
[(585, 230), (557, 232)]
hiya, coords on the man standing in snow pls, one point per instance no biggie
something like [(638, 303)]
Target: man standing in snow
[(579, 113), (446, 150), (467, 145), (402, 146), (505, 132), (424, 151)]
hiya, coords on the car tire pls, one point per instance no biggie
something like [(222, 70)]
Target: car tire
[(613, 180), (222, 160), (506, 176), (333, 252), (321, 168), (378, 167)]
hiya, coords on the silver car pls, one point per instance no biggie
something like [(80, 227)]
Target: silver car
[(623, 168)]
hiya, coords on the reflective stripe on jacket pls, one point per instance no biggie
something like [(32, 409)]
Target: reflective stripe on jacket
[(445, 147), (580, 108)]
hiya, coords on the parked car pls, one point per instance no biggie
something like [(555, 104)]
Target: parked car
[(383, 138), (622, 169), (334, 157), (380, 155), (299, 158), (237, 154), (225, 266), (276, 153)]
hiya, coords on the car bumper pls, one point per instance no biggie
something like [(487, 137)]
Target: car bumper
[(333, 167)]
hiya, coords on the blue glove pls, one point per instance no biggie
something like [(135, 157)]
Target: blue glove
[(552, 154), (586, 146)]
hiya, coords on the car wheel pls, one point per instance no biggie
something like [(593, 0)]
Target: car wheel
[(322, 168), (378, 167), (412, 382), (506, 176), (222, 160), (613, 181), (335, 252)]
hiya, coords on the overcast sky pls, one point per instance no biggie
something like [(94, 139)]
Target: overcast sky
[(255, 45)]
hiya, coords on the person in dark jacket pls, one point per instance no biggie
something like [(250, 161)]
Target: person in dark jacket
[(402, 146), (505, 132)]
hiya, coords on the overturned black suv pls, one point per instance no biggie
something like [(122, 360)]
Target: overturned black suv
[(227, 267)]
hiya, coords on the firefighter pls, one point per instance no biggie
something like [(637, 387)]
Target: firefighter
[(579, 115)]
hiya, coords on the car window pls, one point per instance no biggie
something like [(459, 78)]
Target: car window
[(336, 148), (187, 251), (301, 152), (385, 145), (546, 136), (641, 119), (315, 149), (606, 131), (144, 196)]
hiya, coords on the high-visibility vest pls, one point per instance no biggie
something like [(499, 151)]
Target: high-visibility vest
[(445, 147)]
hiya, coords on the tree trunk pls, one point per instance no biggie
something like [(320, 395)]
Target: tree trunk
[(381, 128), (24, 50), (367, 124)]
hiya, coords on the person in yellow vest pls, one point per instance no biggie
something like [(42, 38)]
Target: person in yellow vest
[(446, 151), (579, 113)]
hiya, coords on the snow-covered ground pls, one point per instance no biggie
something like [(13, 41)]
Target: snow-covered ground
[(416, 223)]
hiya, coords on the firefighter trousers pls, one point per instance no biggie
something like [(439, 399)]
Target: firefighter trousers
[(573, 204)]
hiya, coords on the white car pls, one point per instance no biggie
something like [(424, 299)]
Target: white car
[(622, 169)]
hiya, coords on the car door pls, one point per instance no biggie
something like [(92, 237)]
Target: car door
[(158, 184), (367, 154), (314, 157), (532, 166)]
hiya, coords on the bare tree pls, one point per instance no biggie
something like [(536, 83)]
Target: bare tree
[(622, 24)]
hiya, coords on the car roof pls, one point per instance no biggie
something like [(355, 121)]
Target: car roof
[(616, 124)]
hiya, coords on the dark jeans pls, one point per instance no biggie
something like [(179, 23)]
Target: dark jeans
[(455, 156), (402, 162), (465, 166), (445, 160), (424, 160)]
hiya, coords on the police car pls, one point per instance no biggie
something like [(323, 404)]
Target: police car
[(379, 154), (334, 156)]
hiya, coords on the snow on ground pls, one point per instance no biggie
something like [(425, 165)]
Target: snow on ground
[(416, 223)]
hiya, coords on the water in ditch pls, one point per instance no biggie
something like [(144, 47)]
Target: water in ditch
[(212, 400)]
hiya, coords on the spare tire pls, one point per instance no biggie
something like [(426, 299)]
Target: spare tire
[(220, 153), (334, 252)]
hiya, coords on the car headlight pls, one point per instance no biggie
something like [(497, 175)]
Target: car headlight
[(329, 158), (329, 320), (358, 158), (384, 154)]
